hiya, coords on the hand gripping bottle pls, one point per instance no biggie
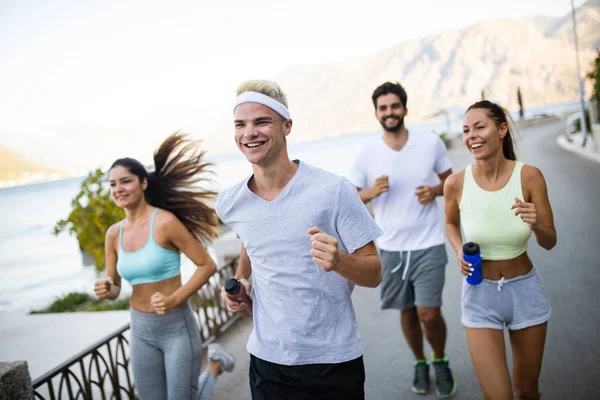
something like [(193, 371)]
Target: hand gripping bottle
[(472, 255), (236, 291)]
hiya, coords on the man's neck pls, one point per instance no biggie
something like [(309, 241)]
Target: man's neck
[(269, 180), (396, 140)]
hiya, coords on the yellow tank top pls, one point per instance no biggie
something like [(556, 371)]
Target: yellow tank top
[(487, 219)]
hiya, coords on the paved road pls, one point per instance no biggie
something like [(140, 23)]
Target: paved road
[(571, 273)]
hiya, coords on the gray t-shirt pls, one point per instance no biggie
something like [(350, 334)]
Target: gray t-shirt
[(302, 315)]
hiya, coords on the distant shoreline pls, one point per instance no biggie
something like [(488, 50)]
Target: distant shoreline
[(4, 186), (218, 157)]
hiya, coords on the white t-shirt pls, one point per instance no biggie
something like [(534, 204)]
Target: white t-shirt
[(406, 224), (302, 315)]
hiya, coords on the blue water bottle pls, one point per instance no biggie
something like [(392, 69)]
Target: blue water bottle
[(472, 255)]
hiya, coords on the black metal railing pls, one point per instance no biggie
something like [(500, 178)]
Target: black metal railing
[(103, 370)]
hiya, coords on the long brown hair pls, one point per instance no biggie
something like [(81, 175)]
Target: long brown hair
[(174, 184), (500, 116)]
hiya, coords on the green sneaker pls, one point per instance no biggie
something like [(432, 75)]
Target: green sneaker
[(445, 385), (421, 383)]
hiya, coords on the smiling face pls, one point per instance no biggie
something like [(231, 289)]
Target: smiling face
[(390, 112), (482, 135), (260, 133), (125, 187)]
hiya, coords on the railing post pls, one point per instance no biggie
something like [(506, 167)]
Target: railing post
[(115, 370), (86, 382)]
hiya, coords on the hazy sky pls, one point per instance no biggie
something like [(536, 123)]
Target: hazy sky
[(120, 75)]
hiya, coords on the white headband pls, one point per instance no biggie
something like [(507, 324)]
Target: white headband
[(255, 97)]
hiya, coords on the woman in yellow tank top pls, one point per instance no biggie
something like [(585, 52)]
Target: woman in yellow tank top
[(499, 202)]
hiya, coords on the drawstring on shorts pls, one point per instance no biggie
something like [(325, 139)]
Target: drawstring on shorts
[(501, 283), (400, 265)]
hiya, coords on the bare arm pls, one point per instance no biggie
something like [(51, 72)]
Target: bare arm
[(182, 239), (110, 287), (452, 194), (381, 186), (427, 194), (438, 190), (537, 212), (243, 271), (366, 195), (453, 186), (362, 267), (244, 268)]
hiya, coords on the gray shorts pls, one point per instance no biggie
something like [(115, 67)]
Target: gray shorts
[(413, 278), (516, 303)]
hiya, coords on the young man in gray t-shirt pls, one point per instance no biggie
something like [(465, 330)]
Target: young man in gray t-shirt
[(307, 240)]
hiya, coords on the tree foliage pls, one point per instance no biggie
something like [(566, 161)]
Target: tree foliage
[(93, 212), (75, 301), (594, 76)]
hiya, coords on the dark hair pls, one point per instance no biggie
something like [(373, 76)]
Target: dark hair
[(172, 185), (500, 116), (388, 88)]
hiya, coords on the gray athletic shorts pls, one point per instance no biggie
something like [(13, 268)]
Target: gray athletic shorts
[(516, 303), (413, 278)]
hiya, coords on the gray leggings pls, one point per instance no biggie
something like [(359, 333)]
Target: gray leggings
[(166, 352)]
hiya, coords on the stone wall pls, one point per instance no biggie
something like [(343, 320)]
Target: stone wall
[(15, 381)]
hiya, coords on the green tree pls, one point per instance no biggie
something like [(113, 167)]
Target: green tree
[(594, 76), (93, 212)]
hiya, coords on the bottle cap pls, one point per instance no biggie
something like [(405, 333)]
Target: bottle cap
[(232, 286), (470, 248)]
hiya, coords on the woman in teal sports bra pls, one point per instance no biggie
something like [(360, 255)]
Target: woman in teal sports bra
[(165, 215), (499, 201)]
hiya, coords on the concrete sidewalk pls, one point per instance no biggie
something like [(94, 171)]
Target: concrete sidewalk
[(234, 385), (573, 143)]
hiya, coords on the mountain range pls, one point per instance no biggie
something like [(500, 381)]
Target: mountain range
[(448, 70), (443, 72), (16, 168)]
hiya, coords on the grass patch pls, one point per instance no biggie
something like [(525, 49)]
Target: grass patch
[(74, 302)]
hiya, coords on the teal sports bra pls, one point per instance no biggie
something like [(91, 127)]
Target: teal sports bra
[(151, 263)]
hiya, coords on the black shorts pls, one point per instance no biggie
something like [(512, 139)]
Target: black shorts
[(343, 381)]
